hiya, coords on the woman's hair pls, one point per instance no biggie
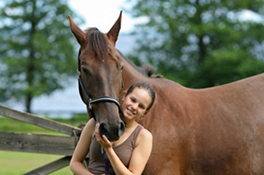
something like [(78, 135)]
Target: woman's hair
[(146, 86)]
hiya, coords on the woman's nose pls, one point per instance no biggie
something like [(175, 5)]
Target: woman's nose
[(134, 106)]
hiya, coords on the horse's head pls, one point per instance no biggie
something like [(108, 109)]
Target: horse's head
[(100, 80)]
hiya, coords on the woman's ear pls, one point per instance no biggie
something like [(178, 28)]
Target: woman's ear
[(123, 96)]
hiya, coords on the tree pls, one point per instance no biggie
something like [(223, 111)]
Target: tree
[(200, 43), (37, 55)]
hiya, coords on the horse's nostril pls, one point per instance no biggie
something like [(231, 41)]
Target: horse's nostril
[(112, 132), (103, 130), (121, 129)]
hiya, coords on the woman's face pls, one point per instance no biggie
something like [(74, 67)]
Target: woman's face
[(136, 103)]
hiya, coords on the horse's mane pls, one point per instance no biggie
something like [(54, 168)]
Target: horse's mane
[(147, 69), (97, 42)]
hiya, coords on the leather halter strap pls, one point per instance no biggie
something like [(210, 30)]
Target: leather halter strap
[(91, 101)]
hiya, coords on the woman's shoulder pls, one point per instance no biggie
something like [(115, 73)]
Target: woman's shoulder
[(90, 126), (91, 121), (144, 136)]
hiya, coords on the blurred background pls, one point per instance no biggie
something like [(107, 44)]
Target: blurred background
[(38, 54), (197, 43)]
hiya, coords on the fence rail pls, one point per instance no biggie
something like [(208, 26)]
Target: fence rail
[(38, 143), (51, 167), (39, 121)]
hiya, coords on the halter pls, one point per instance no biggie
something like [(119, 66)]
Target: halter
[(96, 100)]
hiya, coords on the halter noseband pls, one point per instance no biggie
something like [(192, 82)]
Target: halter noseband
[(96, 100)]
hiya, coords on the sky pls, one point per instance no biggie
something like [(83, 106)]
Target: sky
[(102, 14)]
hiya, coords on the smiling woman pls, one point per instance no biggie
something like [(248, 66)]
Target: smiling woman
[(130, 153), (142, 99)]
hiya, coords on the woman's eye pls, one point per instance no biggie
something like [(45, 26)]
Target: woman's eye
[(141, 106)]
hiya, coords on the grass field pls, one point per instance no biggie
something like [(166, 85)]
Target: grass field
[(15, 163)]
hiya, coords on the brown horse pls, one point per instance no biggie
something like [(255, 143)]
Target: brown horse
[(212, 131)]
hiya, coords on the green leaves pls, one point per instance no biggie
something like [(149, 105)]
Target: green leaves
[(36, 51), (200, 43)]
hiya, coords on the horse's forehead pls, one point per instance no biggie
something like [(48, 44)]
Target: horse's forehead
[(111, 48), (98, 51), (111, 61)]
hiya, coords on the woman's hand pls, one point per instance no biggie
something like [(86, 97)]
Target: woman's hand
[(104, 142)]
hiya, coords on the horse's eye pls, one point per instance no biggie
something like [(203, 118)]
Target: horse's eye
[(121, 68), (86, 71)]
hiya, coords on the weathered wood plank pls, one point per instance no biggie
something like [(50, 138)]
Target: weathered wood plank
[(39, 121), (51, 167), (37, 143)]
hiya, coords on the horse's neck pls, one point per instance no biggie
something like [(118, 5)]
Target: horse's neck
[(163, 87), (131, 75)]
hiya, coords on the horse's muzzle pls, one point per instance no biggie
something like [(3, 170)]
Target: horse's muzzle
[(112, 132)]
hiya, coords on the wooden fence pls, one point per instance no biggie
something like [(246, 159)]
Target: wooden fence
[(37, 143)]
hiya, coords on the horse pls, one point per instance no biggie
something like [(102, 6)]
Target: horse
[(210, 131)]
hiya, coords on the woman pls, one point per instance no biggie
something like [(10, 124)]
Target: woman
[(130, 153)]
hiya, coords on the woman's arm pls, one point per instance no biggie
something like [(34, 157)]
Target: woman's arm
[(140, 154), (82, 149)]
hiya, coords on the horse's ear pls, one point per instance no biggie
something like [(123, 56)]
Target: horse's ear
[(114, 31), (77, 32)]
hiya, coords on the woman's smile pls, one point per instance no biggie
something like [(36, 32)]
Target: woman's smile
[(130, 112)]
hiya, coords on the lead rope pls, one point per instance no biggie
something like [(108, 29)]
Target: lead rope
[(106, 161)]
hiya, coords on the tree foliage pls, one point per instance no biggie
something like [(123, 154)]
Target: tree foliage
[(200, 43), (36, 53)]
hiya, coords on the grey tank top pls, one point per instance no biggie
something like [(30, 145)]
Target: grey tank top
[(123, 151)]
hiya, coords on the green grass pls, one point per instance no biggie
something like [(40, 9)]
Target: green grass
[(15, 163), (11, 125)]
